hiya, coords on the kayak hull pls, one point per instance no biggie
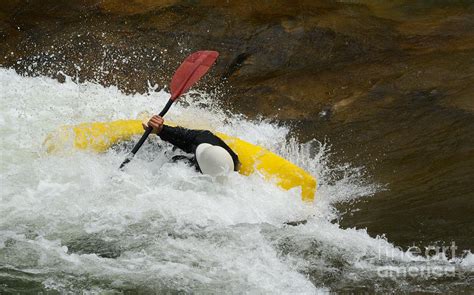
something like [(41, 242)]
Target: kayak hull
[(100, 136)]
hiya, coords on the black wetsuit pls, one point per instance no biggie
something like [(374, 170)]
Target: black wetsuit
[(188, 140)]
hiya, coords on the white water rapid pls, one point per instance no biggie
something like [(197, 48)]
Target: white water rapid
[(75, 222)]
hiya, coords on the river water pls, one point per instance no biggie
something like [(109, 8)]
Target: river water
[(74, 222)]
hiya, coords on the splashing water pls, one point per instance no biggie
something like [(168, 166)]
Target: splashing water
[(75, 222)]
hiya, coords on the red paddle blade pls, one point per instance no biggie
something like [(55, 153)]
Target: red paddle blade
[(191, 70)]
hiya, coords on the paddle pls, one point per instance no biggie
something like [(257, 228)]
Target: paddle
[(188, 73)]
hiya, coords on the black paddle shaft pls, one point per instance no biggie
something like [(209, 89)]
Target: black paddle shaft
[(145, 136)]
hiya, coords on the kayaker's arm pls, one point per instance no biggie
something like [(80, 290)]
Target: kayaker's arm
[(182, 138), (188, 139)]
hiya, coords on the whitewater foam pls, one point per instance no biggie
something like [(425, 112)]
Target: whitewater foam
[(75, 222)]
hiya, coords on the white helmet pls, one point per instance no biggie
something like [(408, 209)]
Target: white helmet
[(214, 160)]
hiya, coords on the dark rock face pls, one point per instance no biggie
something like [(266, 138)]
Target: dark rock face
[(390, 84)]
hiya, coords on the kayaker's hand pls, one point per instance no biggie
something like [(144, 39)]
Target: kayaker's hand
[(156, 122)]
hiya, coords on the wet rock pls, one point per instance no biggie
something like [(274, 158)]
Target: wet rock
[(93, 244)]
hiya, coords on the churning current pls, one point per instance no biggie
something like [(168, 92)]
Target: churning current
[(73, 221)]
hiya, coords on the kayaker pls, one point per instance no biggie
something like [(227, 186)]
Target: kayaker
[(211, 155)]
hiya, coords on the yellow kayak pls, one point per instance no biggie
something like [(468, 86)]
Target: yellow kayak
[(100, 136)]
